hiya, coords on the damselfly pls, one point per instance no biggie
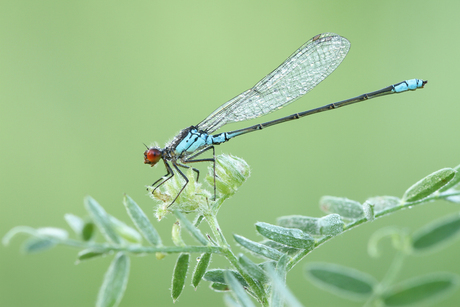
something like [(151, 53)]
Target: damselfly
[(300, 73)]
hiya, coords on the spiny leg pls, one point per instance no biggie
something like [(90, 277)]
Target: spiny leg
[(170, 174), (213, 160), (183, 187)]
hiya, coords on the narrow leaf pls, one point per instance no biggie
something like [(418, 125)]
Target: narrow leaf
[(75, 222), (454, 181), (179, 275), (218, 287), (345, 207), (90, 253), (217, 276), (281, 248), (115, 280), (241, 296), (305, 223), (422, 289), (251, 268), (17, 230), (88, 231), (195, 232), (429, 185), (126, 232), (279, 277), (280, 289), (331, 225), (287, 236), (53, 233), (141, 221), (200, 269), (102, 220), (257, 248), (436, 234), (383, 202), (230, 301), (340, 280), (37, 244)]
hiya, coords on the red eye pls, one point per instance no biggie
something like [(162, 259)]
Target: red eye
[(152, 156)]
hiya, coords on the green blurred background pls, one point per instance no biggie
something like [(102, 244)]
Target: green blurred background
[(84, 83)]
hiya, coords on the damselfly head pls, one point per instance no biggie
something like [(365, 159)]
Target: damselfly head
[(152, 155)]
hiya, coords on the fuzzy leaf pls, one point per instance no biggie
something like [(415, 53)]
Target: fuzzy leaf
[(421, 289), (37, 244), (126, 232), (75, 222), (429, 185), (305, 223), (340, 280), (345, 207), (238, 290), (383, 202), (217, 276), (88, 231), (90, 253), (218, 287), (141, 221), (115, 280), (257, 248), (200, 269), (179, 275), (195, 232), (102, 220), (454, 181), (251, 268), (331, 225), (287, 236), (436, 234)]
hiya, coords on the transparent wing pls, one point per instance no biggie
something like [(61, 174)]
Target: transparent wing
[(301, 72)]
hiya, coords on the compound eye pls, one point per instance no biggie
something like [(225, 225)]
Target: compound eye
[(152, 156)]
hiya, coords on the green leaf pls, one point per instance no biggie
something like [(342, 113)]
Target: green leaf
[(436, 234), (230, 301), (115, 280), (345, 207), (53, 233), (218, 287), (75, 222), (340, 280), (287, 236), (141, 221), (90, 253), (281, 248), (195, 232), (331, 225), (422, 289), (428, 185), (280, 291), (279, 277), (176, 235), (454, 181), (305, 223), (217, 276), (37, 244), (254, 270), (257, 248), (179, 275), (17, 230), (241, 296), (102, 220), (126, 232), (200, 269), (383, 202), (88, 231)]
